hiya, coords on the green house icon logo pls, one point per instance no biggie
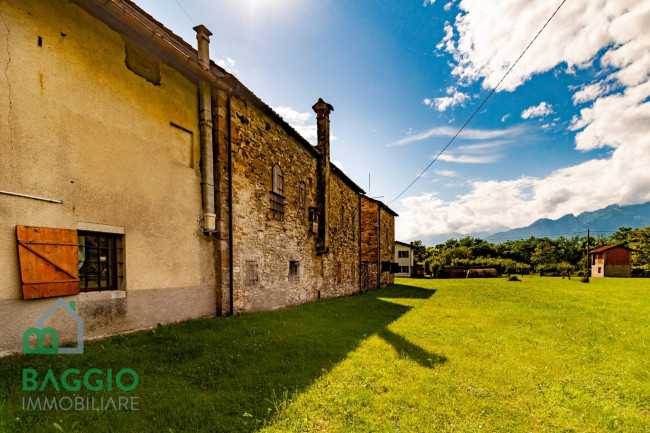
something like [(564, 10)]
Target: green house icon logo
[(41, 331)]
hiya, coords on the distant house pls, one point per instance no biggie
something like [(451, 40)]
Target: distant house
[(610, 261), (404, 259)]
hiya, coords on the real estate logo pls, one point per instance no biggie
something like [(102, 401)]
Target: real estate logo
[(72, 379), (41, 331)]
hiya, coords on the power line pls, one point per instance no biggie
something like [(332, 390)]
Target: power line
[(481, 105), (194, 24)]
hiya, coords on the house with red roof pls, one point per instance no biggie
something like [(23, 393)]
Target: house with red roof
[(610, 261)]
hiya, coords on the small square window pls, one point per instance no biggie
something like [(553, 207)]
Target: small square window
[(294, 270), (99, 260), (252, 275)]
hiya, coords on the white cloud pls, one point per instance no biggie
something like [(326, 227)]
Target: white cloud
[(301, 122), (448, 6), (491, 35), (471, 159), (590, 92), (428, 2), (338, 164), (468, 133), (446, 173), (442, 103), (447, 42), (228, 65), (541, 110), (505, 117)]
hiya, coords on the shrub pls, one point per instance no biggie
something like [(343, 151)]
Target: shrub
[(513, 278)]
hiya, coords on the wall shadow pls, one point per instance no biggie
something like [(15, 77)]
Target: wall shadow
[(225, 374)]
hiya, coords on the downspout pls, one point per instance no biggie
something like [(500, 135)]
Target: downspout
[(205, 121), (230, 219)]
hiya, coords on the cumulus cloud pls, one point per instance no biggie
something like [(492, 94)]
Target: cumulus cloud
[(590, 92), (491, 35), (448, 131), (541, 110), (444, 102)]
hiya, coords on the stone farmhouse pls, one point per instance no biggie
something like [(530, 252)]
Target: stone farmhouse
[(148, 185)]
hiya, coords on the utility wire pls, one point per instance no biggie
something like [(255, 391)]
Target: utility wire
[(481, 105), (194, 24)]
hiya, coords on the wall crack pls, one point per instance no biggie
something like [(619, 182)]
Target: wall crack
[(6, 71)]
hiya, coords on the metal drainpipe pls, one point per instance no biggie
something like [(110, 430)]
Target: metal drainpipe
[(230, 219), (205, 121)]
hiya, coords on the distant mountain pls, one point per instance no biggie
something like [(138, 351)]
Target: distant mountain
[(608, 219)]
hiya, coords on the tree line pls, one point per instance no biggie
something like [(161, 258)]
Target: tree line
[(544, 256)]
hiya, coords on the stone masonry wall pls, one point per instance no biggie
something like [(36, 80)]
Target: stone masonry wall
[(369, 243), (263, 245), (386, 244), (341, 265)]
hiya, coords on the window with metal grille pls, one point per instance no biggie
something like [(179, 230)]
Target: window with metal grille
[(252, 276), (302, 193), (294, 270), (277, 193), (99, 261)]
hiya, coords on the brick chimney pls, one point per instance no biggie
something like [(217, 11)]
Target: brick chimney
[(323, 110)]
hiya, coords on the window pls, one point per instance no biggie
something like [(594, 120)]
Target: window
[(599, 269), (252, 276), (277, 193), (302, 193), (294, 268), (339, 277), (404, 270), (99, 259), (385, 266), (313, 220), (403, 254)]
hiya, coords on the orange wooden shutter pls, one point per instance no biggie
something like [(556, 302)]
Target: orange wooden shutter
[(48, 261)]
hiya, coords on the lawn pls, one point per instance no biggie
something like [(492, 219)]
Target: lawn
[(544, 354)]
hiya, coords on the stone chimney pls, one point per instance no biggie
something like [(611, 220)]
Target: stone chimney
[(323, 110)]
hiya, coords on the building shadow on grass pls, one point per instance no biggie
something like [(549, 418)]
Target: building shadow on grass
[(224, 374)]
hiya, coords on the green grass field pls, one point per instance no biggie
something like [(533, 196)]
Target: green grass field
[(544, 354)]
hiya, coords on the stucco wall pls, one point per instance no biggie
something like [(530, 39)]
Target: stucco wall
[(76, 125)]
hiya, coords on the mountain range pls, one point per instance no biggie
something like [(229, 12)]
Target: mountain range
[(602, 222)]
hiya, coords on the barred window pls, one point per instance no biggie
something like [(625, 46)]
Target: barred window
[(99, 255), (277, 193), (294, 270)]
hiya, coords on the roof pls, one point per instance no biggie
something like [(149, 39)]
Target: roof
[(609, 247), (404, 243), (382, 205), (125, 17)]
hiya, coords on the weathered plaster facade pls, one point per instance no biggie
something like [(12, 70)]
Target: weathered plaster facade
[(103, 116)]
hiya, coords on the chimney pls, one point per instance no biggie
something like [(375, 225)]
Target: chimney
[(205, 123), (323, 110)]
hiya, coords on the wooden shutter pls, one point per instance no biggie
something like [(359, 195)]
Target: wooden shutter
[(48, 261)]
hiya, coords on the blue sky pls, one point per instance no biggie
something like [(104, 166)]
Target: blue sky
[(404, 75)]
